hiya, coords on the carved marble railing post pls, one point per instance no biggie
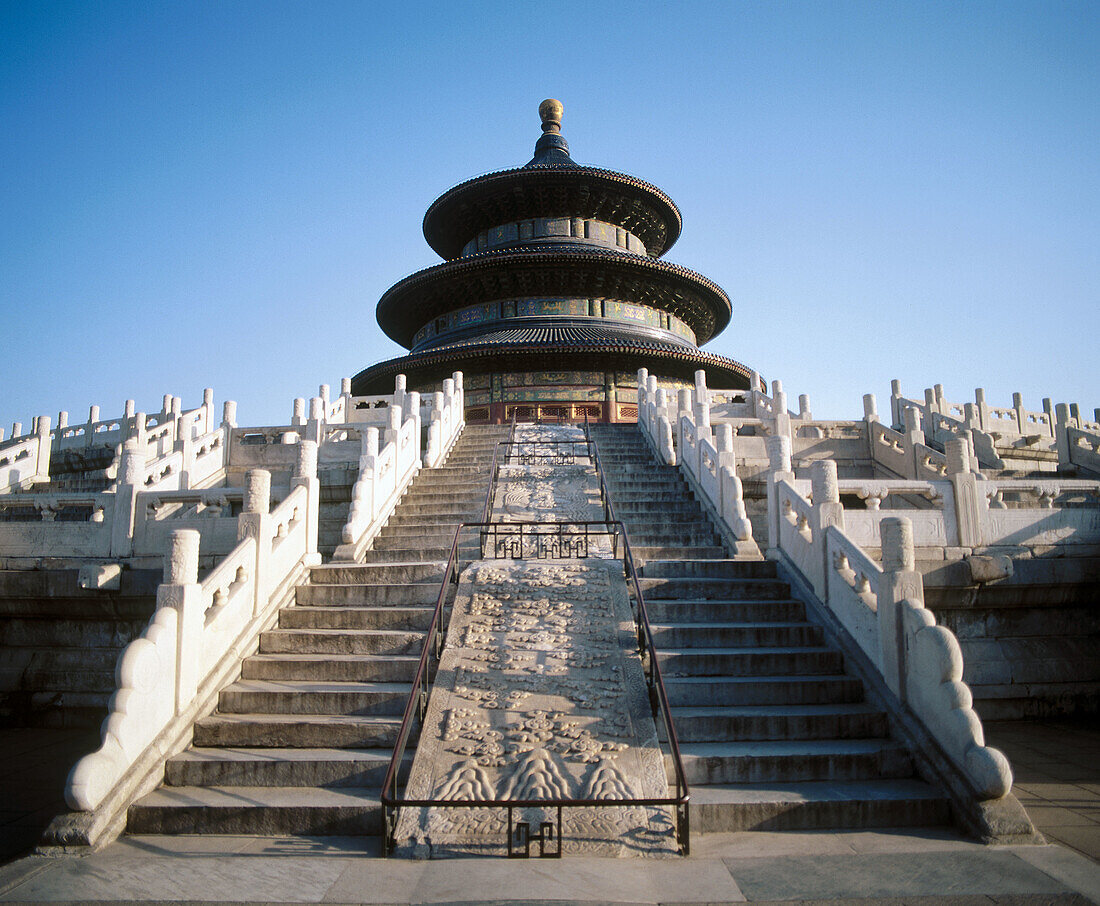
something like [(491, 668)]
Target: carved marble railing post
[(393, 424), (665, 448), (1062, 423), (460, 395), (900, 581), (702, 397), (229, 413), (314, 428), (255, 522), (755, 387), (723, 443), (779, 469), (185, 444), (182, 592), (298, 413), (827, 510), (804, 413), (412, 410), (89, 432), (731, 499), (912, 438), (780, 422), (45, 444), (305, 475), (982, 407), (399, 384), (683, 408), (128, 484), (968, 498), (141, 430), (895, 403), (870, 418), (433, 448)]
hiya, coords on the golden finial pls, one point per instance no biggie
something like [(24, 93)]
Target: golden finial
[(551, 110)]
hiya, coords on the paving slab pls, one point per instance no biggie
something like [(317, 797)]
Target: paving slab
[(921, 868), (897, 874)]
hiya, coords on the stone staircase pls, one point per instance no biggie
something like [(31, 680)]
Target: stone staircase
[(774, 735), (301, 742), (332, 513)]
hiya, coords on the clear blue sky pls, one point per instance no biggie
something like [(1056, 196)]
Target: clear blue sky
[(216, 194)]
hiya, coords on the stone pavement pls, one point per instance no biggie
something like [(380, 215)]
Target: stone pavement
[(923, 868), (1056, 764)]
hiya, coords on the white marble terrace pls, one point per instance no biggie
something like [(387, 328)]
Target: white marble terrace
[(231, 511)]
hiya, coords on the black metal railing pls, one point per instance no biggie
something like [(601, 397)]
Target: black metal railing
[(571, 540), (549, 834)]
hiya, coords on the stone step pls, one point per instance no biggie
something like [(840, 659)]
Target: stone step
[(298, 731), (713, 589), (340, 641), (347, 811), (647, 553), (850, 805), (627, 479), (648, 496), (435, 496), (701, 691), (406, 555), (247, 767), (39, 680), (680, 510), (389, 593), (794, 761), (376, 573), (30, 633), (331, 667), (682, 611), (313, 697), (749, 662), (684, 534), (443, 510), (783, 722), (323, 617), (733, 635), (402, 538), (710, 569), (34, 661), (430, 521)]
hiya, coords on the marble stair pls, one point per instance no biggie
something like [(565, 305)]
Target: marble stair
[(301, 742), (774, 734)]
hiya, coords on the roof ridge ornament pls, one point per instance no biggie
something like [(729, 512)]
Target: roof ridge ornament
[(550, 112), (551, 150)]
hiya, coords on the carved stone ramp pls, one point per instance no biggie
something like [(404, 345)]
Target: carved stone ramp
[(540, 694), (774, 734)]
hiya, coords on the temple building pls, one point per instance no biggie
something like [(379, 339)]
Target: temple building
[(552, 294)]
